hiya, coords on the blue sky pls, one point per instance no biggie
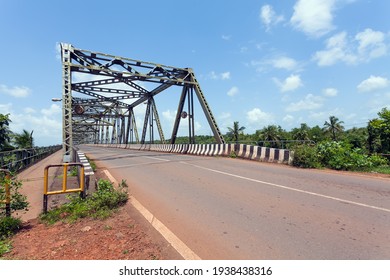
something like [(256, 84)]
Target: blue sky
[(258, 62)]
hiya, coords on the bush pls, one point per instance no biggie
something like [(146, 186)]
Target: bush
[(306, 156), (341, 156), (9, 226), (99, 205), (18, 201)]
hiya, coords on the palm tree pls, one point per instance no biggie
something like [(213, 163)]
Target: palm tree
[(301, 133), (235, 132), (271, 134), (333, 127), (24, 140)]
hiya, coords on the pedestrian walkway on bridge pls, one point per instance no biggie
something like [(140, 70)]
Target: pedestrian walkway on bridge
[(32, 184)]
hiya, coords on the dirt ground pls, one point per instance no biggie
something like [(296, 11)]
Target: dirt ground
[(124, 236)]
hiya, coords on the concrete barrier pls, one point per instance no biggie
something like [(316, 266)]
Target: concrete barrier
[(243, 151)]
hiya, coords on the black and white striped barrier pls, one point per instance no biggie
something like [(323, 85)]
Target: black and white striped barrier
[(88, 171), (250, 152)]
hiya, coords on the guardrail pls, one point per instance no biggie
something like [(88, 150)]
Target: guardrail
[(64, 189), (7, 192), (243, 151), (18, 160)]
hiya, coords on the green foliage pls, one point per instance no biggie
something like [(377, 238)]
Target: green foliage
[(333, 127), (270, 136), (341, 156), (18, 201), (379, 132), (233, 154), (23, 140), (5, 246), (100, 204), (336, 155), (235, 132), (306, 156), (74, 171), (93, 165), (5, 133), (9, 226)]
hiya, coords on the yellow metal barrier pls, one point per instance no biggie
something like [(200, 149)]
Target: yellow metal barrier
[(64, 190), (7, 200)]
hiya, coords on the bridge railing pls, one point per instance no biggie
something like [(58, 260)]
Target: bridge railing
[(18, 160), (243, 151)]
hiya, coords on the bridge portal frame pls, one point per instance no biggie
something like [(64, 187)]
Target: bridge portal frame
[(113, 86)]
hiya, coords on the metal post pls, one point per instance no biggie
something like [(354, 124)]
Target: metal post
[(67, 136)]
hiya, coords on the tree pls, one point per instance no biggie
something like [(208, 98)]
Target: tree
[(301, 133), (5, 132), (333, 127), (379, 132), (235, 131), (357, 137), (272, 134), (24, 140)]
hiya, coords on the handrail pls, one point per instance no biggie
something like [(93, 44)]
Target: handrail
[(64, 189)]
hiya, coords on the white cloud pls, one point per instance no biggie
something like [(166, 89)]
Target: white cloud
[(290, 83), (53, 110), (373, 83), (313, 17), (277, 62), (16, 91), (226, 37), (371, 44), (337, 49), (288, 119), (5, 108), (330, 92), (46, 123), (268, 17), (225, 76), (29, 110), (169, 115), (225, 115), (310, 102), (220, 76), (365, 46), (233, 91), (257, 116), (284, 62)]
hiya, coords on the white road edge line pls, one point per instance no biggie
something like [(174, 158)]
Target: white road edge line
[(289, 188), (176, 243)]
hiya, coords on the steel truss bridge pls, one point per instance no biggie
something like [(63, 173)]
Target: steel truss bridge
[(100, 92)]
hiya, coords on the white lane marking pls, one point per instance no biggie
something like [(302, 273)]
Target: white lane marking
[(139, 164), (175, 241), (161, 159), (289, 188)]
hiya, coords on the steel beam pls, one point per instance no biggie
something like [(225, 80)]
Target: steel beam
[(98, 105)]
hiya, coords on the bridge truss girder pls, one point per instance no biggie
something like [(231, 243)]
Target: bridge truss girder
[(101, 91)]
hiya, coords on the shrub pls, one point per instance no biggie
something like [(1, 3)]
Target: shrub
[(99, 205), (9, 226), (341, 156), (18, 201), (306, 156)]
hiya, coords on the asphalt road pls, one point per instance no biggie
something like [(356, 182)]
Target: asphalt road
[(226, 208)]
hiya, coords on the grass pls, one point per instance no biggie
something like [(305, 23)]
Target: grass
[(8, 227), (380, 169), (100, 205)]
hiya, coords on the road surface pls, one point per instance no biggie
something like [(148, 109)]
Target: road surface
[(226, 208)]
